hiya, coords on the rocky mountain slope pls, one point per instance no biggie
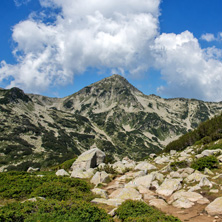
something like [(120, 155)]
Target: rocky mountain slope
[(184, 184), (110, 114)]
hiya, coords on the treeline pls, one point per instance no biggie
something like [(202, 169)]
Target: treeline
[(206, 132)]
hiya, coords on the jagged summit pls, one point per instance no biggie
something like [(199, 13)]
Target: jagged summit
[(105, 95)]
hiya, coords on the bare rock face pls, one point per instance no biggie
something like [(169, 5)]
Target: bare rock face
[(89, 159), (215, 208)]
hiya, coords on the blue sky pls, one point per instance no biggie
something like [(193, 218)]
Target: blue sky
[(170, 48)]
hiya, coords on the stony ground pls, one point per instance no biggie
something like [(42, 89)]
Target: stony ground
[(186, 193)]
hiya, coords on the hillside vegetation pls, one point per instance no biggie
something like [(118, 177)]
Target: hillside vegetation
[(206, 132), (62, 199), (38, 131)]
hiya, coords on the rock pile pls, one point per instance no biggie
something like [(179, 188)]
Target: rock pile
[(153, 181)]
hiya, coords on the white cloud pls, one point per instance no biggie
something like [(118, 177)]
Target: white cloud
[(87, 33), (122, 36), (209, 37), (18, 3), (188, 70)]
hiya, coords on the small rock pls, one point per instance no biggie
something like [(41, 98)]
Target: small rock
[(100, 177), (119, 167), (169, 186), (214, 191), (125, 194), (145, 166), (110, 202), (183, 203), (112, 213), (205, 182), (158, 203), (215, 208), (34, 199), (31, 169), (152, 155), (208, 172), (172, 152), (100, 192), (204, 200), (62, 172)]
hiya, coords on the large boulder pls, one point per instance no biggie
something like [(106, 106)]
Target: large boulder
[(191, 196), (169, 186), (144, 180), (83, 174), (119, 167), (215, 208), (145, 166), (158, 203), (183, 203), (89, 159), (211, 152), (126, 194), (162, 160), (195, 177)]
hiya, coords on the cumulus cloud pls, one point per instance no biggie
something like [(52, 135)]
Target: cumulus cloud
[(121, 36), (188, 70), (209, 37), (87, 33)]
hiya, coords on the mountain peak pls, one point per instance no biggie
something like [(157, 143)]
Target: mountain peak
[(105, 94)]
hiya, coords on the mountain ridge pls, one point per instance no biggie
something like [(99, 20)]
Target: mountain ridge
[(110, 114)]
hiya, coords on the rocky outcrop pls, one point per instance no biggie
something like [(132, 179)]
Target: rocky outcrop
[(89, 159)]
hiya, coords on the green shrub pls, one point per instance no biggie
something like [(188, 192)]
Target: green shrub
[(20, 185), (52, 190), (108, 169), (65, 165), (53, 211), (178, 164), (209, 162), (139, 211)]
